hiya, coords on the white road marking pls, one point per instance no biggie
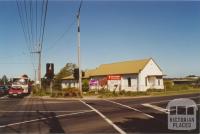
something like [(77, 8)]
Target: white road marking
[(155, 102), (105, 118), (34, 120), (2, 111), (155, 107), (130, 108), (4, 97)]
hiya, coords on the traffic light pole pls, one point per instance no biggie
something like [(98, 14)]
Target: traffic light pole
[(79, 55)]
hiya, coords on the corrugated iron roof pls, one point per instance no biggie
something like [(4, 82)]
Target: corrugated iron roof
[(125, 67)]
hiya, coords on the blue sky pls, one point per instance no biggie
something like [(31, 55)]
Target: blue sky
[(111, 31)]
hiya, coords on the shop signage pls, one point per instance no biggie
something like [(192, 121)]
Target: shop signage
[(114, 77)]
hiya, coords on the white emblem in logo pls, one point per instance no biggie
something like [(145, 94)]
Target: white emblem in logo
[(182, 114)]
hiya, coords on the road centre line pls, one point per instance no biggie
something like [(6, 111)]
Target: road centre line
[(130, 108), (155, 107), (34, 120), (105, 118)]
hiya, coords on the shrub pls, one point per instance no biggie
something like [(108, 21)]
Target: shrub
[(57, 94), (92, 92), (39, 92), (155, 90), (122, 92), (180, 87), (168, 84), (85, 85), (108, 93), (71, 92), (130, 93)]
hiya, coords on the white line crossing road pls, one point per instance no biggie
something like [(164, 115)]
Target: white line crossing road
[(164, 101), (105, 118), (34, 120), (155, 107), (150, 116), (4, 97), (58, 111)]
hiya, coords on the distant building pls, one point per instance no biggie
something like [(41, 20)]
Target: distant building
[(192, 77), (183, 82), (188, 80), (135, 75)]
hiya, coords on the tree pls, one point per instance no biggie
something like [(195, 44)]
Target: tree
[(4, 79), (103, 82), (67, 70)]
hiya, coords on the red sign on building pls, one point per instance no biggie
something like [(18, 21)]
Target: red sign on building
[(114, 77)]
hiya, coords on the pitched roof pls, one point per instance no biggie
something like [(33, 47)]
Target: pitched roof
[(126, 67), (71, 77), (88, 73)]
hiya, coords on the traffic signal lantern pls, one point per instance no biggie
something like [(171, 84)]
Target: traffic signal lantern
[(76, 73), (50, 70), (83, 73)]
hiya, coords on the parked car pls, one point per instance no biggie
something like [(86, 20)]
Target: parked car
[(4, 89), (1, 92), (16, 91)]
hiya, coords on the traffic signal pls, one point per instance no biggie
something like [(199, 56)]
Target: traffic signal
[(83, 73), (76, 73), (49, 70)]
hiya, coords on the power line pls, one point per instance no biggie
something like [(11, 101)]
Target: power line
[(26, 34), (27, 21), (13, 56), (14, 63), (21, 21), (31, 22), (36, 21), (61, 36), (44, 24), (41, 18), (20, 13), (66, 31)]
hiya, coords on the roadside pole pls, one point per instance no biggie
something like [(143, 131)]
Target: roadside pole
[(79, 55), (39, 68), (51, 87), (39, 71)]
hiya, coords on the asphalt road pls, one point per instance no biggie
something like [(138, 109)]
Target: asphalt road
[(136, 115)]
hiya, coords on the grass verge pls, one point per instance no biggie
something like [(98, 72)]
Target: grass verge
[(109, 94)]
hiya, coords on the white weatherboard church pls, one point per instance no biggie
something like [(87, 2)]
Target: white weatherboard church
[(134, 75)]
